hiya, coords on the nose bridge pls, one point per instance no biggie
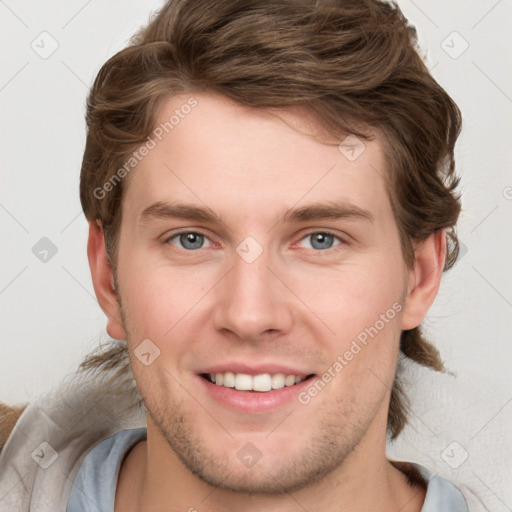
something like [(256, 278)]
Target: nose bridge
[(251, 300)]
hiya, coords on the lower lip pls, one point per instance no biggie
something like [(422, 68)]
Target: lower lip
[(254, 401)]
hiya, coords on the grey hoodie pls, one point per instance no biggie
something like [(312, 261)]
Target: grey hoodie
[(50, 440)]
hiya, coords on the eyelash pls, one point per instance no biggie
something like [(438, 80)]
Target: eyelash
[(320, 251)]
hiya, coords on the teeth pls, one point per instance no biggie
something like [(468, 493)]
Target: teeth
[(290, 380), (262, 382), (278, 381), (229, 380), (243, 382)]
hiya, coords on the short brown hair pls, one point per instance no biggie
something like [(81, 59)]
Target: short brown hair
[(352, 64)]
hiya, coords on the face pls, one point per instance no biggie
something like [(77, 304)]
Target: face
[(260, 257)]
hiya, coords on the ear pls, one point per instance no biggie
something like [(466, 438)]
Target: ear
[(103, 280), (424, 279)]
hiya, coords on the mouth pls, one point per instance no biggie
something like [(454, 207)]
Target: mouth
[(260, 383), (256, 387)]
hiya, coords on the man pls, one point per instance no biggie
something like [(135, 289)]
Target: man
[(270, 189)]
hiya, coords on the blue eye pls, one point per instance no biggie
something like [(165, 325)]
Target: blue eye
[(321, 241), (189, 240)]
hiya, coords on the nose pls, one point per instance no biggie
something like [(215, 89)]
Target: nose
[(252, 301)]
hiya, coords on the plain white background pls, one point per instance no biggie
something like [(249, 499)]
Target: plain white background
[(49, 314)]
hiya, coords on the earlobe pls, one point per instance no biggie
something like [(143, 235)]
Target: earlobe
[(424, 279), (103, 281)]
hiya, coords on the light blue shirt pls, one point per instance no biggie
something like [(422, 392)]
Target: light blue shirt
[(95, 484), (94, 487)]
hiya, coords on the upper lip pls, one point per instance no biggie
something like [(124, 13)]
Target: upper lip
[(255, 369)]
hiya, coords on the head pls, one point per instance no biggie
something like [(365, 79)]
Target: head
[(241, 108)]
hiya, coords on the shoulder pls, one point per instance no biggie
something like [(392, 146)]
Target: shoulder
[(441, 493), (100, 473), (9, 415)]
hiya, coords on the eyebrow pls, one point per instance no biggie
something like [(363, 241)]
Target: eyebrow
[(163, 210), (317, 211), (327, 210)]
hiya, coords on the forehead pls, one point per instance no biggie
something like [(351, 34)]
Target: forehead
[(210, 150)]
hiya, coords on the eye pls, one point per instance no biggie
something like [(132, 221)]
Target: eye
[(321, 240), (189, 240)]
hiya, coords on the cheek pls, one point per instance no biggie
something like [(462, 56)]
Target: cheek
[(361, 304), (353, 296), (155, 301), (159, 300)]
